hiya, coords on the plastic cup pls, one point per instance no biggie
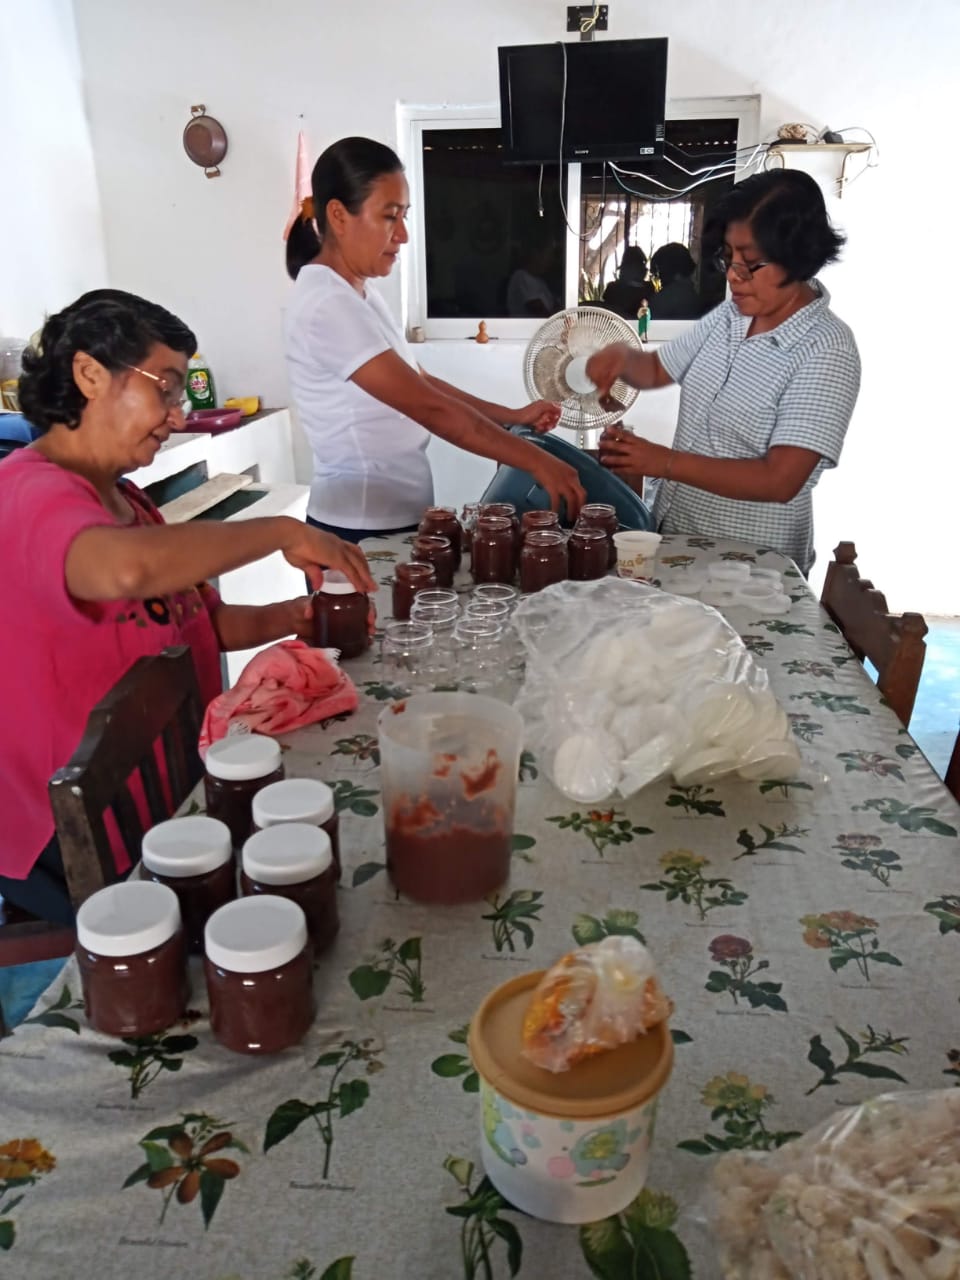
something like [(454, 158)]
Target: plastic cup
[(636, 554), (566, 1146), (449, 764)]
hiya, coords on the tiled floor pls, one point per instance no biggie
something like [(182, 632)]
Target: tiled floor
[(936, 715)]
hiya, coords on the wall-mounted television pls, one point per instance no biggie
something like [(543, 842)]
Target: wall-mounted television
[(613, 109)]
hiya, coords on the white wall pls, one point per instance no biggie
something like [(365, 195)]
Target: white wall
[(212, 249), (51, 234)]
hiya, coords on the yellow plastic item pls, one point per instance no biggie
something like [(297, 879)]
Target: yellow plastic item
[(246, 404)]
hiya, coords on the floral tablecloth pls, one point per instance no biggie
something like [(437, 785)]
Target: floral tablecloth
[(809, 934)]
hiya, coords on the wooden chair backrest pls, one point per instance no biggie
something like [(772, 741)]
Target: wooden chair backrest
[(894, 644), (952, 777)]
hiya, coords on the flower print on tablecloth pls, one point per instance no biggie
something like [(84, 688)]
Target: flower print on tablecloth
[(23, 1162), (400, 963), (861, 851), (695, 799), (953, 1057), (760, 646), (617, 923), (640, 1241), (145, 1057), (874, 762), (946, 909), (805, 728), (58, 1013), (481, 1224), (810, 667), (849, 937), (865, 1044), (184, 1161), (737, 976), (838, 703), (773, 837), (742, 1106), (683, 879), (514, 915), (602, 827), (910, 817), (362, 749), (452, 1066), (343, 1097)]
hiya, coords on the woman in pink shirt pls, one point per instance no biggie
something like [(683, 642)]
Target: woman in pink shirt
[(92, 579)]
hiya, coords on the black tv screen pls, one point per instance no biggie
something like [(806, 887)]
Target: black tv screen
[(614, 107)]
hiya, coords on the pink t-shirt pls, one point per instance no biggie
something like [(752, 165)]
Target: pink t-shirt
[(59, 656)]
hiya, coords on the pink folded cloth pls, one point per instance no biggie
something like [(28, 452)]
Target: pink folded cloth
[(281, 688)]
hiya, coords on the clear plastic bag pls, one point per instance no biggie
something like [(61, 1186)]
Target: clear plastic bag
[(872, 1193), (595, 998), (625, 684)]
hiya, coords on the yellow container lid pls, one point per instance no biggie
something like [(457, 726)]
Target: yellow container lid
[(607, 1084)]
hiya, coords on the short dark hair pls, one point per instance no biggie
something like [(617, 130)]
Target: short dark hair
[(114, 327), (786, 211), (633, 265), (346, 171), (671, 262)]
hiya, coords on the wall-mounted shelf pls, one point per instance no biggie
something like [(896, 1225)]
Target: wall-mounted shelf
[(841, 149)]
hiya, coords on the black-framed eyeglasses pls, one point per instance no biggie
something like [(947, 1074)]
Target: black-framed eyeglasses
[(171, 393), (742, 270)]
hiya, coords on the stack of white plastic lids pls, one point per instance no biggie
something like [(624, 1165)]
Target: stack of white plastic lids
[(336, 583), (734, 584), (293, 800), (243, 756), (288, 853), (252, 935), (128, 919), (186, 846)]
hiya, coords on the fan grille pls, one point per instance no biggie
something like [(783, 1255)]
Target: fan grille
[(566, 336)]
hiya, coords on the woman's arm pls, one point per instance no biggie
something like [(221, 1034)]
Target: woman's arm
[(110, 563), (640, 369), (776, 477), (538, 414), (246, 626), (392, 381)]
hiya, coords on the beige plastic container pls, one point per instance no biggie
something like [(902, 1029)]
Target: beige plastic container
[(636, 554), (569, 1146)]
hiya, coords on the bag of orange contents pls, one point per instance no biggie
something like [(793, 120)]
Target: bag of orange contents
[(872, 1193), (598, 997)]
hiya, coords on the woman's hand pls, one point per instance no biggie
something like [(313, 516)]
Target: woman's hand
[(561, 482), (632, 455), (299, 613), (607, 365), (541, 415), (313, 550)]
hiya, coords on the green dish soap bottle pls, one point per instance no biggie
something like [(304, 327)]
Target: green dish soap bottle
[(200, 390)]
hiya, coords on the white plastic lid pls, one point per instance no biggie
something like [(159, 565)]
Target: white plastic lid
[(242, 756), (288, 853), (252, 935), (294, 800), (127, 919), (336, 583), (186, 846)]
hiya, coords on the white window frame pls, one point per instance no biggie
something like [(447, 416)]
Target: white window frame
[(414, 119)]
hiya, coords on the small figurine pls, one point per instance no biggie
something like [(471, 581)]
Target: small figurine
[(643, 320), (482, 335)]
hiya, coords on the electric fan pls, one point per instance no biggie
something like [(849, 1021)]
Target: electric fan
[(555, 367)]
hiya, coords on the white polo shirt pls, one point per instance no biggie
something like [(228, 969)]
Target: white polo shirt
[(740, 397), (370, 469)]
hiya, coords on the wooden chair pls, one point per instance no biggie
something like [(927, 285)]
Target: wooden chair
[(952, 776), (895, 645), (155, 705)]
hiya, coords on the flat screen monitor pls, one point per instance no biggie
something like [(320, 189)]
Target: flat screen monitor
[(613, 108)]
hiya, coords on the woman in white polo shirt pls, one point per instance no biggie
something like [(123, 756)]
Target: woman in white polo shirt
[(364, 403)]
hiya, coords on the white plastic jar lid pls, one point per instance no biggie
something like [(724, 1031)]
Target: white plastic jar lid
[(186, 846), (242, 757), (336, 583), (252, 935), (728, 571), (293, 800), (287, 853), (127, 919)]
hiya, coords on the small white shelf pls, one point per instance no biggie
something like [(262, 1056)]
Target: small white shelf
[(841, 149)]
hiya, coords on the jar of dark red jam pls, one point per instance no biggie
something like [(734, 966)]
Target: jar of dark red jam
[(442, 522), (236, 768), (601, 515), (438, 551), (259, 971), (340, 616), (494, 551), (543, 560), (299, 800), (132, 955), (587, 554), (538, 520), (193, 857), (508, 510), (295, 860), (407, 581)]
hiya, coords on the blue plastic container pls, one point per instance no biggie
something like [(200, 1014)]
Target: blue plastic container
[(519, 487)]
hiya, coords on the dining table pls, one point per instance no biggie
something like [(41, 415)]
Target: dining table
[(807, 932)]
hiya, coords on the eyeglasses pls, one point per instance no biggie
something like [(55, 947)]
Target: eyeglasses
[(171, 393), (742, 270)]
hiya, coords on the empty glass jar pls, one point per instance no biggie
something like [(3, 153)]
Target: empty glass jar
[(409, 660)]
